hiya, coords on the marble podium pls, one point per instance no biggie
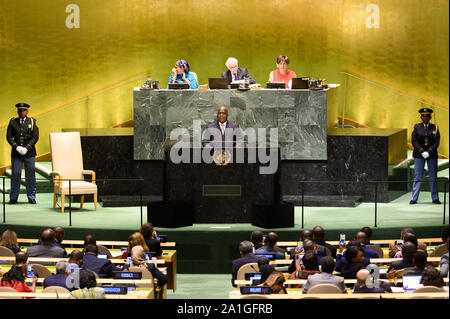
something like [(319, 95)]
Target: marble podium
[(299, 115)]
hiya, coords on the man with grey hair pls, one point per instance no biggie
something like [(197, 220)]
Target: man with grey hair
[(247, 257), (59, 279), (236, 73)]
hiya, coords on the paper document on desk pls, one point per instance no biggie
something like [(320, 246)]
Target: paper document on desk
[(116, 253)]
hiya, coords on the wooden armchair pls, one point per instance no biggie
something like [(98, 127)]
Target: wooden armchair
[(67, 164)]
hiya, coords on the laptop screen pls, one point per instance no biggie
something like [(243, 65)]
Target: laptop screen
[(255, 290), (268, 255), (411, 282), (253, 276)]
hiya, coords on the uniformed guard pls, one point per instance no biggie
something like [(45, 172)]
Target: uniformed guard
[(425, 139), (22, 135)]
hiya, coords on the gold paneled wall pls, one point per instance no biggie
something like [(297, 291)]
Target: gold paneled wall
[(118, 42)]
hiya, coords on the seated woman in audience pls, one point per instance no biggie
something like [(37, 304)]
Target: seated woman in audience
[(181, 74), (308, 265), (134, 240), (354, 257), (340, 256), (151, 238), (15, 277), (88, 287), (432, 277), (276, 283), (9, 240), (138, 260), (282, 74)]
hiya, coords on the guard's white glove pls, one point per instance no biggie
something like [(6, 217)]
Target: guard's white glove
[(21, 150), (425, 154)]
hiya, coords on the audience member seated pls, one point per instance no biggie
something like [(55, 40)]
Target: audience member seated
[(441, 249), (419, 262), (368, 232), (361, 283), (319, 239), (354, 257), (269, 246), (76, 259), (15, 277), (265, 271), (88, 286), (103, 267), (138, 260), (59, 237), (135, 239), (395, 247), (325, 276), (151, 238), (340, 256), (361, 237), (276, 283), (263, 261), (408, 237), (432, 277), (9, 240), (247, 256), (257, 239), (89, 239), (408, 249), (308, 247), (308, 234), (47, 248), (306, 266), (444, 265), (59, 279)]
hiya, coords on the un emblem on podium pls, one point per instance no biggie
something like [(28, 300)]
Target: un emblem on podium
[(222, 158)]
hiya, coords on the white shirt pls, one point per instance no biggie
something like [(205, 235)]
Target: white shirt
[(223, 126)]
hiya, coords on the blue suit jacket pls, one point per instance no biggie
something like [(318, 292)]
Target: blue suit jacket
[(56, 280), (369, 253), (103, 267)]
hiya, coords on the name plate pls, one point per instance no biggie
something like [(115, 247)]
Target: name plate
[(222, 190)]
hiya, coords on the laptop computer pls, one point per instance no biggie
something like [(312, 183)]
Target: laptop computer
[(252, 275), (178, 86), (217, 83), (275, 85), (300, 83), (410, 283)]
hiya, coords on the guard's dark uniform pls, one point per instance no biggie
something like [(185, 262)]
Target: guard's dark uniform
[(24, 134), (425, 139)]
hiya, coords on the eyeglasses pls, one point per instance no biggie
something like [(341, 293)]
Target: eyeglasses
[(426, 115), (233, 67)]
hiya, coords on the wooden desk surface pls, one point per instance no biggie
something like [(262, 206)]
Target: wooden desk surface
[(376, 241), (81, 242), (372, 260)]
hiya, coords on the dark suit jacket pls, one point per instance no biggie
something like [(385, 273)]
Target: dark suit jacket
[(400, 264), (56, 280), (237, 263), (213, 133), (367, 290), (331, 247), (369, 253), (103, 267), (349, 271), (241, 74), (419, 138), (154, 246)]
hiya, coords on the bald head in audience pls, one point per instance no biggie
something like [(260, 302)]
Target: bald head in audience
[(361, 237), (306, 234), (48, 236), (361, 277), (59, 233), (76, 257)]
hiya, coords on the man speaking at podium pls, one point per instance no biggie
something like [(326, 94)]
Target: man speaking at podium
[(220, 133)]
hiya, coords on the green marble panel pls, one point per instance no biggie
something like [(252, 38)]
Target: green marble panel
[(299, 115)]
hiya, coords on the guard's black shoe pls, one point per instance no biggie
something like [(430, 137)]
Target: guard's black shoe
[(412, 202), (32, 201), (12, 201), (437, 201)]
